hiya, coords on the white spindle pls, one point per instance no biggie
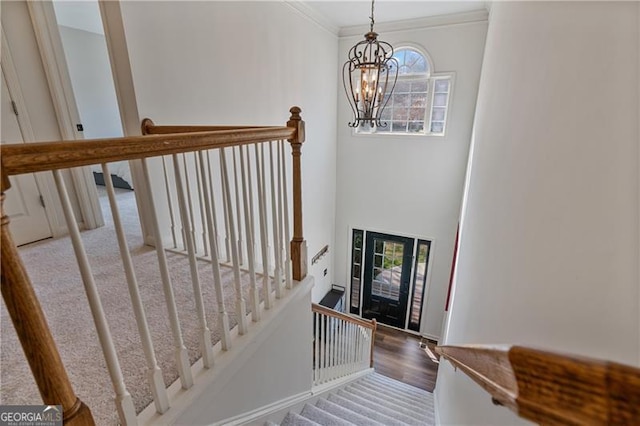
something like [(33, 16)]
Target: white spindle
[(342, 349), (210, 196), (287, 231), (236, 186), (182, 357), (169, 202), (277, 271), (248, 218), (190, 224), (316, 358), (260, 176), (205, 334), (201, 205), (223, 317), (225, 208), (241, 309), (323, 351), (154, 373), (124, 403)]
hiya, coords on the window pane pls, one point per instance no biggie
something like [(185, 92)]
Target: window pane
[(442, 86), (440, 99), (419, 86), (437, 126), (400, 114), (417, 114), (399, 126), (420, 277), (416, 126), (438, 114), (400, 99), (419, 100), (402, 86)]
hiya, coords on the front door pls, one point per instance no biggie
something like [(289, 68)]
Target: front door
[(387, 274)]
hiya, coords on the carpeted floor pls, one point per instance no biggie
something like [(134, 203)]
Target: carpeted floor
[(56, 279)]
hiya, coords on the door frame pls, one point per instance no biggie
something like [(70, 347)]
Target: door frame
[(427, 291), (49, 42)]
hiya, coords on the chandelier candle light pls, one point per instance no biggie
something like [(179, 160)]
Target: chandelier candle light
[(369, 77)]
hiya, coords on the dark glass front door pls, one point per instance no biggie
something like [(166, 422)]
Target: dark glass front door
[(387, 274)]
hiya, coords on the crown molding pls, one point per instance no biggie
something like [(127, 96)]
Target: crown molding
[(480, 15), (308, 12)]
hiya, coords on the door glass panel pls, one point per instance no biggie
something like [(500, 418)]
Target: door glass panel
[(387, 269), (420, 279), (357, 244)]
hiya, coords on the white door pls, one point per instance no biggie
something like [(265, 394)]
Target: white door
[(23, 205)]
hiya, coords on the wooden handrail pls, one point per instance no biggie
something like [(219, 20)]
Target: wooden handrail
[(43, 156), (335, 314), (551, 388), (17, 291)]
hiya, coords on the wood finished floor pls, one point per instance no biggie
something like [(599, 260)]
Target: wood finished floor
[(398, 355)]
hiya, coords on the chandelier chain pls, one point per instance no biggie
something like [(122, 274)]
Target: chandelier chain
[(371, 17)]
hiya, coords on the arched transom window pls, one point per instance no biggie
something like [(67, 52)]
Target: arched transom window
[(420, 101)]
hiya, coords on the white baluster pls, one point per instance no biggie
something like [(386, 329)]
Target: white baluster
[(169, 202), (241, 309), (205, 334), (210, 195), (190, 224), (287, 231), (236, 185), (260, 176), (277, 271), (223, 317), (323, 350), (225, 209), (248, 218), (182, 357), (201, 205), (154, 373), (124, 403), (342, 349)]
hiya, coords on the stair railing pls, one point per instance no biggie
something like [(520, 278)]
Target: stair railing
[(551, 388), (343, 345), (190, 156)]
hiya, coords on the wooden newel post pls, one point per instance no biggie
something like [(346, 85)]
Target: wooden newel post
[(33, 331), (298, 244)]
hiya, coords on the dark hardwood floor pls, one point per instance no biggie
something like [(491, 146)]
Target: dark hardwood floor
[(398, 355)]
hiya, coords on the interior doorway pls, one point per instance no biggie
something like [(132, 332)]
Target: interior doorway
[(389, 277)]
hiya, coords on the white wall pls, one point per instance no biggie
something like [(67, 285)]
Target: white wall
[(243, 63), (90, 72), (412, 185), (549, 238)]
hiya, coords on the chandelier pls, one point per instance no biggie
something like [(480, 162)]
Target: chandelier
[(369, 77)]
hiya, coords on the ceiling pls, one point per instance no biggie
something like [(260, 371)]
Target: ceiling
[(356, 12)]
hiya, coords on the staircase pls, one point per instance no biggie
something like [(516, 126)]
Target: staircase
[(373, 400)]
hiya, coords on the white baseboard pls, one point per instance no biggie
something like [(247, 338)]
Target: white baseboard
[(259, 415), (254, 415)]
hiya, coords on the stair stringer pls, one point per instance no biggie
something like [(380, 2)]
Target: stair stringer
[(276, 350)]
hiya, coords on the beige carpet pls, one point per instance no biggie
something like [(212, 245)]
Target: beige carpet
[(56, 279)]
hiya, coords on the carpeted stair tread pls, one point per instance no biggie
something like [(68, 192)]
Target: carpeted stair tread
[(392, 393), (365, 411), (398, 384), (406, 390), (323, 417), (270, 423), (386, 390), (416, 410), (345, 413), (293, 419), (384, 410), (381, 402)]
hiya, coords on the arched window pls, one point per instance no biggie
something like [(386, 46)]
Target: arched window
[(420, 100)]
